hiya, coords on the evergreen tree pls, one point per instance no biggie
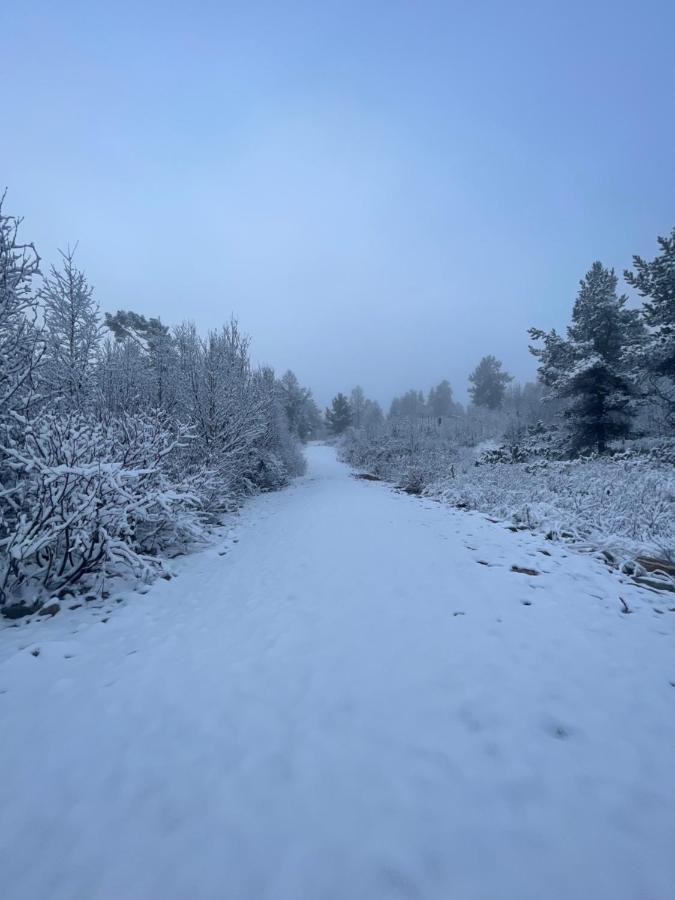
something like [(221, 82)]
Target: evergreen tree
[(410, 406), (440, 402), (157, 345), (72, 331), (655, 281), (373, 416), (338, 415), (488, 383), (589, 368), (357, 401), (301, 411)]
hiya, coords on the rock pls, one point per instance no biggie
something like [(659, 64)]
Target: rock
[(523, 570), (50, 609), (19, 610)]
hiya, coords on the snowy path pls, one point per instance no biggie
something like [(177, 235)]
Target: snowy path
[(346, 705)]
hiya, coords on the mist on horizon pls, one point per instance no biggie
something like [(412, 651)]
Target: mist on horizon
[(380, 195)]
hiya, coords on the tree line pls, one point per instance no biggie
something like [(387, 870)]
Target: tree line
[(611, 375)]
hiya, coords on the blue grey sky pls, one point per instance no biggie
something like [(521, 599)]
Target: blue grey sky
[(381, 192)]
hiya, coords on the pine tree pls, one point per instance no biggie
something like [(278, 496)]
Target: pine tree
[(589, 369), (155, 341), (373, 416), (338, 415), (357, 402), (410, 405), (72, 332), (655, 281), (488, 383), (304, 419), (439, 401)]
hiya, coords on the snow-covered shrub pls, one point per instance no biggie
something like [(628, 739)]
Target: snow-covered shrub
[(411, 454), (536, 441), (623, 502), (626, 506), (90, 499)]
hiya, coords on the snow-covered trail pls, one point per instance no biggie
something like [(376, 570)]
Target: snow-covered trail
[(346, 705)]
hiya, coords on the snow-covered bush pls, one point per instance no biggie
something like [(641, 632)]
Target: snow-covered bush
[(626, 506), (410, 453), (115, 450), (90, 499), (623, 502)]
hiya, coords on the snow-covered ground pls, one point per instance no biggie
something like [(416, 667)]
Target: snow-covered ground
[(358, 699)]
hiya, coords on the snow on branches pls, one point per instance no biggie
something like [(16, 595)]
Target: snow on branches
[(117, 450), (89, 498)]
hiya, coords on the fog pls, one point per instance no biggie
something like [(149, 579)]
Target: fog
[(380, 196), (267, 636)]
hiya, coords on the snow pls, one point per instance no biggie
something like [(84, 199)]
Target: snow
[(340, 700)]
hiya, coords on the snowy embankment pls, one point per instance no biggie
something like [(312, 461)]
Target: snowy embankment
[(625, 508), (622, 506), (354, 695)]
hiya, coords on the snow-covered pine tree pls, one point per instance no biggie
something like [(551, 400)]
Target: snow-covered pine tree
[(655, 281), (338, 415), (72, 331), (227, 410), (589, 369), (156, 344), (304, 418), (373, 416), (440, 401), (410, 405), (488, 383), (357, 400), (276, 456)]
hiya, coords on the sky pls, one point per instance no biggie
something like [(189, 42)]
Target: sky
[(380, 192)]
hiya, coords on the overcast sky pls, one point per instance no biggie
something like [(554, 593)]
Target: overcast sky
[(381, 192)]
